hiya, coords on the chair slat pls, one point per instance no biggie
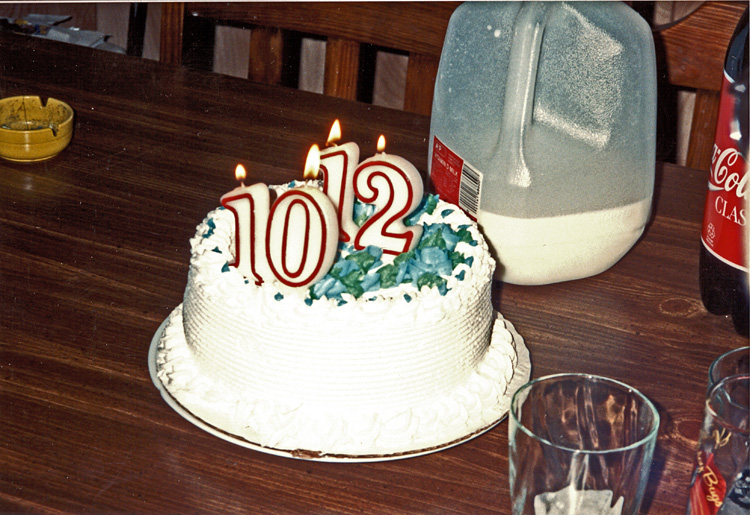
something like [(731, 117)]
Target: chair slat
[(170, 38), (266, 55), (420, 83), (703, 129)]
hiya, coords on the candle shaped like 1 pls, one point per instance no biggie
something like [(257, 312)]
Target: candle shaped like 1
[(303, 232), (394, 185), (250, 206), (338, 163)]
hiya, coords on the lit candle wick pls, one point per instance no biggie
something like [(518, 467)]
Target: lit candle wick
[(381, 144), (240, 173), (312, 163), (334, 135)]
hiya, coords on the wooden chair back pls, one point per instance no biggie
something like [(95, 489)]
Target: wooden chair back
[(693, 52), (414, 27)]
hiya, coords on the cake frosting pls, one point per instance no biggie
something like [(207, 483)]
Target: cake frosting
[(408, 355)]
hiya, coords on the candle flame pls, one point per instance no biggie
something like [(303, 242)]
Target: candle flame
[(312, 164), (381, 143), (240, 173), (335, 133)]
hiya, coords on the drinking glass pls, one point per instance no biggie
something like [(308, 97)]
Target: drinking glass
[(580, 444), (730, 363), (721, 481)]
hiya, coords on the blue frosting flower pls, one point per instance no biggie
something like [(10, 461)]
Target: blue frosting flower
[(371, 281), (428, 205), (327, 287), (431, 260)]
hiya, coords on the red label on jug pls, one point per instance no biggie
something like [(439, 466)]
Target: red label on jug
[(445, 172), (725, 216), (455, 180)]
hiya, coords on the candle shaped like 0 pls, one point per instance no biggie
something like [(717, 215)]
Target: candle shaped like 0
[(395, 187), (338, 163), (303, 232), (250, 206), (295, 240)]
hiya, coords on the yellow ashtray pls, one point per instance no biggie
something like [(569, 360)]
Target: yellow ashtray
[(33, 131)]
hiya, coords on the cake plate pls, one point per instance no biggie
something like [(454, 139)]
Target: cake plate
[(521, 376)]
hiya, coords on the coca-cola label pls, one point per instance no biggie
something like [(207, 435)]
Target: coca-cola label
[(725, 218)]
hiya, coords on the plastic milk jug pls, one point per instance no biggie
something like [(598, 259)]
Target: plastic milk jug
[(543, 128)]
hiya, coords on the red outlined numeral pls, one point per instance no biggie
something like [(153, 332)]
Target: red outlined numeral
[(302, 237), (395, 187)]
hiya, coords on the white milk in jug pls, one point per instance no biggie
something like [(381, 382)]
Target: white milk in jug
[(543, 128)]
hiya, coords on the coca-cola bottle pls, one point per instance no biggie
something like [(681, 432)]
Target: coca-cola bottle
[(723, 257)]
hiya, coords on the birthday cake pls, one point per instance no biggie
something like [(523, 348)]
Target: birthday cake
[(380, 357)]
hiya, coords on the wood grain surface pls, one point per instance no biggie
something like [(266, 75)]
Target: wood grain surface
[(94, 255)]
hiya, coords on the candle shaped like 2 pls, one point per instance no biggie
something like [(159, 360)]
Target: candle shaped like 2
[(303, 232), (338, 163), (250, 206), (395, 187)]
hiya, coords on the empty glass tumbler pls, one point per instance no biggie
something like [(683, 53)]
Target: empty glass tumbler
[(731, 363), (721, 479), (580, 444)]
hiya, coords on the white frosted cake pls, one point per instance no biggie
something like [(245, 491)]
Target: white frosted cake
[(376, 359)]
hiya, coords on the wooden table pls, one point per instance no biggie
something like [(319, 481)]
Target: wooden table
[(94, 255)]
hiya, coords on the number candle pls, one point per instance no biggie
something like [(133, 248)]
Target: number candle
[(394, 185), (296, 239), (338, 163), (303, 232), (250, 206)]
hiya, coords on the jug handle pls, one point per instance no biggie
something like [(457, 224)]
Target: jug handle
[(518, 103)]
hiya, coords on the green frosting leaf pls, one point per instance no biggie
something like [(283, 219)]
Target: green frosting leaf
[(361, 219), (430, 279), (434, 239), (388, 276), (352, 282), (432, 202), (364, 259), (457, 258), (403, 257), (464, 235)]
